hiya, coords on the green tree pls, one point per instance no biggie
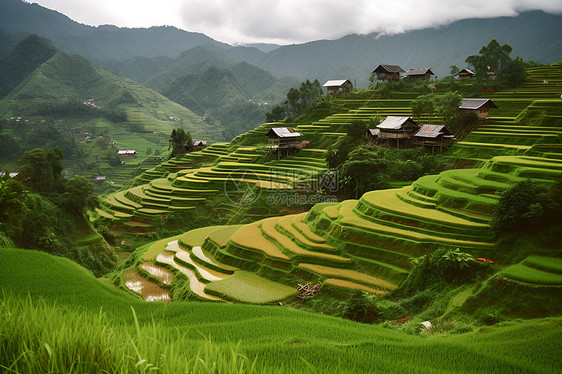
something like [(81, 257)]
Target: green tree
[(180, 142), (528, 206), (79, 195), (454, 69), (277, 114), (492, 57), (42, 169), (364, 170), (423, 104), (299, 100), (338, 152), (447, 105), (516, 73)]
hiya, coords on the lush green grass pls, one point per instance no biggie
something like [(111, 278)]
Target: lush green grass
[(353, 275), (66, 328), (387, 201), (196, 237), (39, 337)]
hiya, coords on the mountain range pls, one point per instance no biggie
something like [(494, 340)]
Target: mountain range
[(533, 35)]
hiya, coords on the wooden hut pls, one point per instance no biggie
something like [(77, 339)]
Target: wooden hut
[(479, 106), (334, 87), (399, 128), (388, 73), (286, 139), (419, 74), (465, 74), (434, 136)]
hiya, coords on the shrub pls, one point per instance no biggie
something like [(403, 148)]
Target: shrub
[(527, 206), (360, 308), (444, 265)]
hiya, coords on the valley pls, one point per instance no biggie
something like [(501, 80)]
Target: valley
[(197, 208)]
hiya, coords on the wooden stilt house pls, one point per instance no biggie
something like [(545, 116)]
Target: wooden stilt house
[(388, 73), (335, 87), (419, 74), (286, 139), (434, 136), (397, 130), (479, 106)]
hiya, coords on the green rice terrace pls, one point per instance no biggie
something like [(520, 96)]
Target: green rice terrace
[(366, 244)]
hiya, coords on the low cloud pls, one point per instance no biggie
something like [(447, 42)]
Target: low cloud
[(291, 21), (295, 21)]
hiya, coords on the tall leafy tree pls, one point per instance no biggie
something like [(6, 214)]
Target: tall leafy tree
[(364, 170), (447, 106), (298, 100), (423, 104), (42, 169), (492, 57), (79, 195), (180, 142)]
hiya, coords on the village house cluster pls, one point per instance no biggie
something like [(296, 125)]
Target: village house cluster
[(403, 132)]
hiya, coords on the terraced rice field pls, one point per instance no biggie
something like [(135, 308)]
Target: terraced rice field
[(247, 287), (148, 290), (536, 270), (184, 184), (361, 244), (526, 118)]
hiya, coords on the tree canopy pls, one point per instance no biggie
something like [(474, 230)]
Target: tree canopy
[(493, 57), (79, 195), (42, 169), (180, 142), (297, 102)]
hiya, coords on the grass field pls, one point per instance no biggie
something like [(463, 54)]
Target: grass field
[(62, 329)]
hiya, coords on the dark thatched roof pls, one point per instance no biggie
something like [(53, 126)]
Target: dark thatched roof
[(388, 69), (416, 72)]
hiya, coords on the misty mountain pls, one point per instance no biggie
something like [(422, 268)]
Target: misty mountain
[(533, 35), (98, 43), (22, 60), (58, 99)]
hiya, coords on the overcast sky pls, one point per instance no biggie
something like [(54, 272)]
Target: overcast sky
[(289, 21)]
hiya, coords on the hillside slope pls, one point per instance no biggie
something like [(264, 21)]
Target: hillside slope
[(58, 299), (354, 57)]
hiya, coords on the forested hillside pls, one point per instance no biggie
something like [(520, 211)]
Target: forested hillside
[(58, 99)]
